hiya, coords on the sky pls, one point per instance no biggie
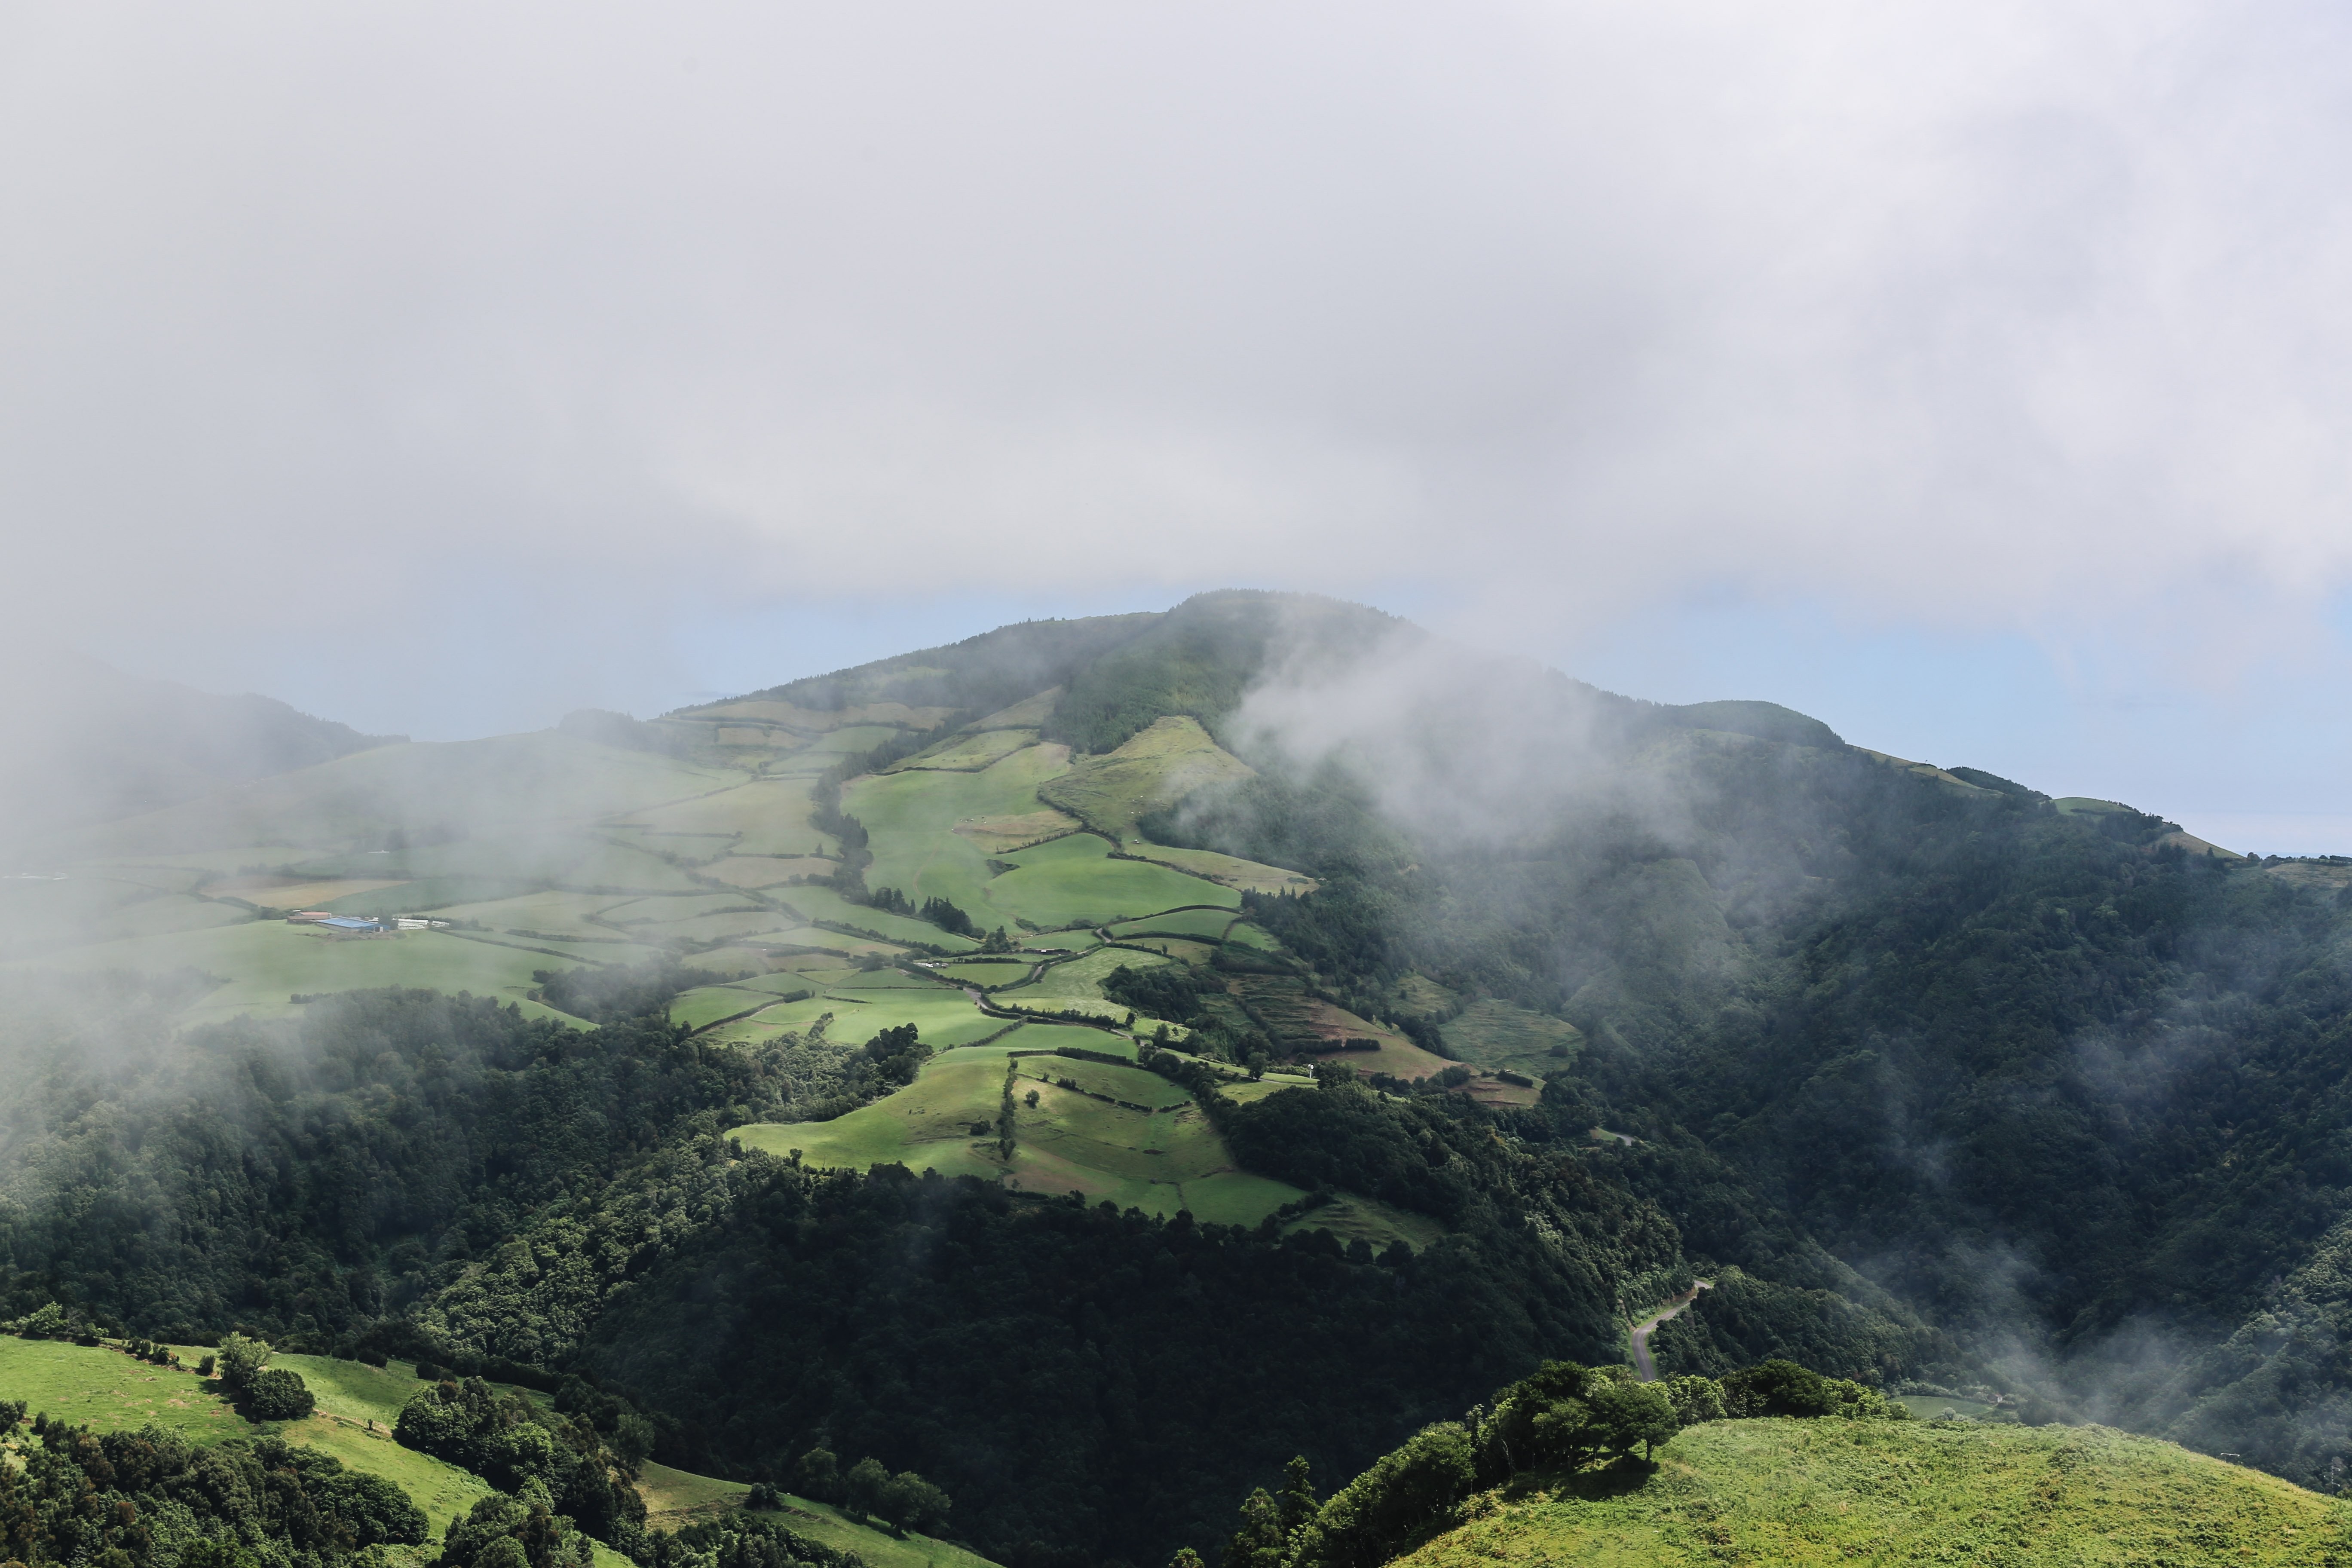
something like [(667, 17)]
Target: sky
[(1974, 377)]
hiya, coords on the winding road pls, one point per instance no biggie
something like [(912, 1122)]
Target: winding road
[(1643, 1366)]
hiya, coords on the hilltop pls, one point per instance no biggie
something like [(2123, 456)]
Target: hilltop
[(1788, 1492)]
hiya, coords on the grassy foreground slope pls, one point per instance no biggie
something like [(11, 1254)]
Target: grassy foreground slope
[(1790, 1492), (108, 1390)]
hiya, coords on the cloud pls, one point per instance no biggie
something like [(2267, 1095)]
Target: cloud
[(556, 329)]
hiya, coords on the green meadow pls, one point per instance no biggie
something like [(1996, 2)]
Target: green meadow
[(108, 1390), (1490, 1034), (1078, 1137), (1204, 925), (1074, 878), (1888, 1493)]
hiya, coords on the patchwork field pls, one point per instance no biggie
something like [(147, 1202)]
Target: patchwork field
[(1204, 925), (1492, 1034), (1156, 767), (269, 962), (1079, 1136), (1074, 878)]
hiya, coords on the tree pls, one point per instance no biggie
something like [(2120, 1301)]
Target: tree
[(1260, 1539), (1298, 1500), (1625, 1413), (1695, 1399), (818, 1475), (910, 1502), (862, 1488), (1186, 1558), (240, 1359), (275, 1393)]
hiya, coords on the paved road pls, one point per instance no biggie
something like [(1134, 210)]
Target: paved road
[(1642, 1367)]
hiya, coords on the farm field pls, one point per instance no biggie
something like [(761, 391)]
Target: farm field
[(1248, 876), (1156, 767), (1074, 878), (269, 961), (942, 1018), (980, 972), (969, 753), (824, 904), (1492, 1034), (1081, 977), (1159, 1160), (766, 871), (678, 1498), (1376, 1224), (1204, 925), (911, 821), (762, 818), (1806, 1493)]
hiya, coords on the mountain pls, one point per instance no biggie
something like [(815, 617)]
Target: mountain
[(88, 743), (1087, 1064)]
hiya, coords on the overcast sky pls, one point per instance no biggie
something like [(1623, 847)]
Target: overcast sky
[(1975, 377)]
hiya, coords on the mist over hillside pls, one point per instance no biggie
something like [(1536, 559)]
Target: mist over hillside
[(1087, 1063)]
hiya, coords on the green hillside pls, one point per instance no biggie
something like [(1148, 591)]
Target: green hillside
[(1506, 1017), (100, 1387), (1801, 1492)]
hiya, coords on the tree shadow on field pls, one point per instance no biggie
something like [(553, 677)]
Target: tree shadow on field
[(1617, 1478)]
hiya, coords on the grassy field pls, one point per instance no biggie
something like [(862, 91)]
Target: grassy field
[(1353, 1218), (766, 870), (987, 971), (554, 914), (1248, 876), (912, 821), (825, 904), (969, 753), (1496, 1035), (762, 817), (1205, 925), (675, 1499), (1158, 1159), (268, 960), (1802, 1492), (1156, 767), (1074, 878), (1247, 935), (942, 1018), (1081, 977)]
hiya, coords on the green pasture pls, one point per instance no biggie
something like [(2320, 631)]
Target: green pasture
[(942, 1018), (1204, 925), (1353, 1218), (1160, 1162), (584, 862), (1183, 949), (732, 925), (675, 1499), (695, 849), (764, 816), (1490, 1034), (552, 913), (849, 738), (673, 907), (1026, 714), (601, 950), (103, 1388), (705, 1005), (970, 753), (1244, 935), (979, 971), (1084, 975), (488, 791), (1156, 767), (1248, 876), (1812, 1492), (1133, 1085), (267, 962), (892, 979), (1074, 878), (910, 820), (825, 904), (766, 870)]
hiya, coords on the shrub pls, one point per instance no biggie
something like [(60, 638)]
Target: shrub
[(241, 1359), (275, 1393)]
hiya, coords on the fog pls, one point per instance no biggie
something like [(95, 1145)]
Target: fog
[(439, 370)]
